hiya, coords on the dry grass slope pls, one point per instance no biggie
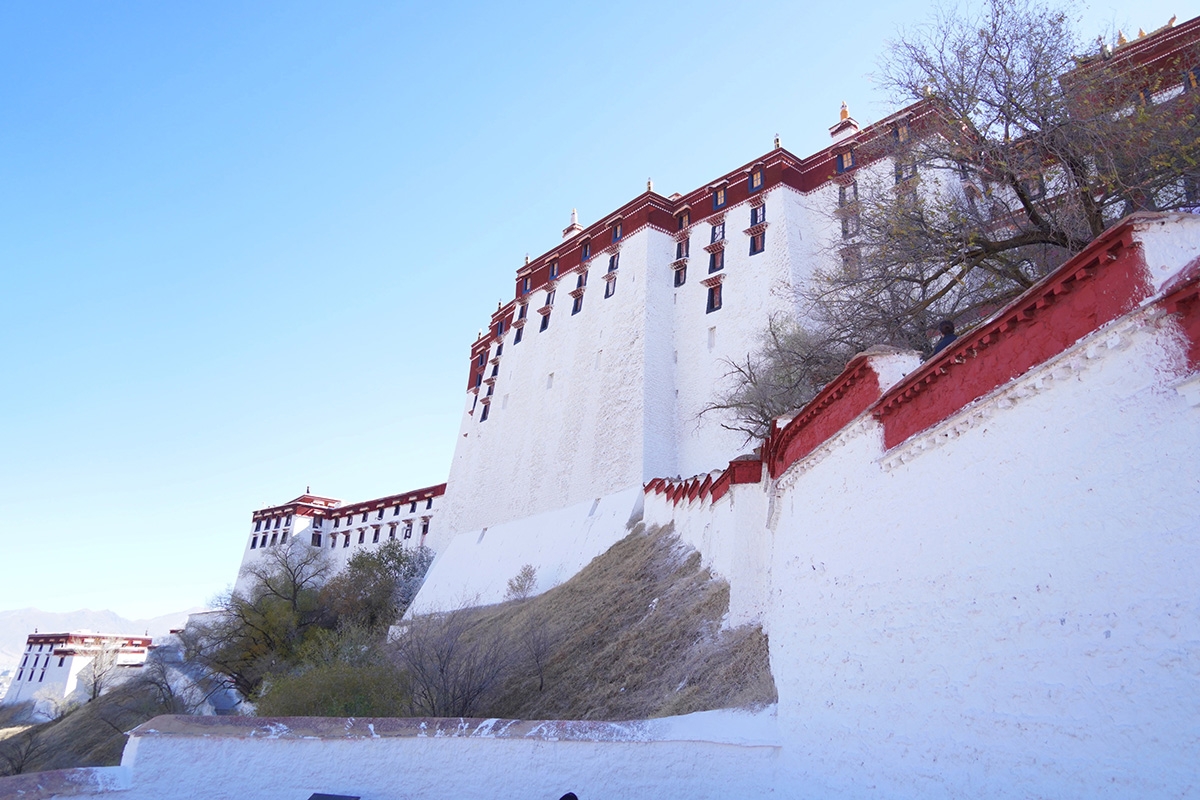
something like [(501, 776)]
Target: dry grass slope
[(636, 634), (90, 735)]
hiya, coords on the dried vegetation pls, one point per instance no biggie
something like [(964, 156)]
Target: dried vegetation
[(637, 633)]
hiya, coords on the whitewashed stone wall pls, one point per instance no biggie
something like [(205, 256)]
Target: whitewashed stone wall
[(704, 756), (474, 569), (1003, 605), (1010, 593), (568, 409)]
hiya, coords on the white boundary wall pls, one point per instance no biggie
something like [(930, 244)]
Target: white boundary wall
[(476, 566), (702, 756), (1005, 604)]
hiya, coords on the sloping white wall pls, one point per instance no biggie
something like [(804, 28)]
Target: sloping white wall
[(1003, 605), (474, 569), (565, 422)]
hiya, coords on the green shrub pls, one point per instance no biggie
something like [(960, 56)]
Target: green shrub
[(337, 690)]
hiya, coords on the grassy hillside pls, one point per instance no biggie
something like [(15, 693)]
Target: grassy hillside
[(637, 633), (88, 736)]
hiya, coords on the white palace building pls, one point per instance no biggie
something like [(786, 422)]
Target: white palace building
[(977, 573), (591, 379)]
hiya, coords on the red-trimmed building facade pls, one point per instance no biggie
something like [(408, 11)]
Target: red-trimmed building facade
[(343, 528), (52, 667)]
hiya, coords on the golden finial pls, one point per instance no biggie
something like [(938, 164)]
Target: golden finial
[(845, 111), (777, 144), (1121, 38), (1171, 21), (1141, 33)]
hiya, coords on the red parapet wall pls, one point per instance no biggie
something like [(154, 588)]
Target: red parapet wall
[(1105, 281), (847, 396), (1182, 299), (706, 486)]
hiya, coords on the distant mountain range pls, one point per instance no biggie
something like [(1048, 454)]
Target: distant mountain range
[(16, 625)]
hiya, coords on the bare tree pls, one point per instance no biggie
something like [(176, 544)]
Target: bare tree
[(173, 691), (377, 585), (788, 368), (1020, 149), (1030, 150), (537, 642), (452, 668), (101, 672), (263, 626), (19, 752), (521, 585)]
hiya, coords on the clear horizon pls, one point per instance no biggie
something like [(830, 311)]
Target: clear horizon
[(246, 250)]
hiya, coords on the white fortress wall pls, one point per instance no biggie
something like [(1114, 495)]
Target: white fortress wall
[(1009, 591), (565, 422), (732, 537), (661, 382), (753, 288), (474, 569), (1012, 590), (52, 666)]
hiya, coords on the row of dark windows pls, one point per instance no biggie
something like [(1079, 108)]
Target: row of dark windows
[(758, 215), (758, 243), (258, 525), (576, 307), (25, 661), (375, 534), (720, 197), (318, 522), (412, 509), (754, 182), (716, 259), (585, 252), (276, 538), (32, 669), (846, 161)]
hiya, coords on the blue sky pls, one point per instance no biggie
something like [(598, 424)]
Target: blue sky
[(244, 248)]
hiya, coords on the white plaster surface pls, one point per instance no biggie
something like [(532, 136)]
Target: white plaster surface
[(1004, 605), (1168, 242), (710, 755), (474, 569), (631, 372)]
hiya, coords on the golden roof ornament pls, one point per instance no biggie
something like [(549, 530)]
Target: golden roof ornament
[(845, 111), (1121, 38)]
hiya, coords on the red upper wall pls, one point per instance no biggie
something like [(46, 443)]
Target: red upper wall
[(300, 507)]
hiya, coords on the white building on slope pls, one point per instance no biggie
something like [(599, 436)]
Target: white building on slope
[(58, 666), (591, 380), (343, 528)]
